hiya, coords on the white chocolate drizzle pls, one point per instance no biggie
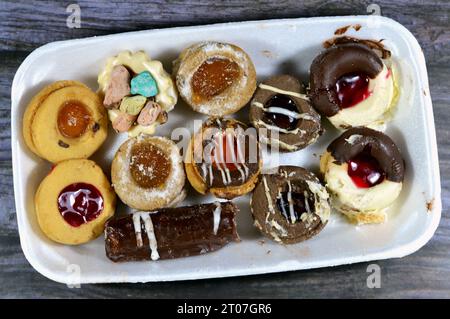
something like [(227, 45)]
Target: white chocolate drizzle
[(148, 225), (269, 199), (291, 202), (279, 129), (217, 216), (280, 110), (233, 157), (277, 90)]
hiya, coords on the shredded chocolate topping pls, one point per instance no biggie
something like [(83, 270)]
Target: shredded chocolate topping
[(378, 144), (332, 64)]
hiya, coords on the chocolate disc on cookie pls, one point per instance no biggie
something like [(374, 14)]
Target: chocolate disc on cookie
[(287, 115), (290, 205)]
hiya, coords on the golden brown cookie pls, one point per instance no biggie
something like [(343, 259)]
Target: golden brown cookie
[(215, 78), (223, 159), (74, 201), (147, 173)]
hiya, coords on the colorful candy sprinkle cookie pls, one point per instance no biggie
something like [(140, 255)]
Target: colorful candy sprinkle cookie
[(290, 205), (222, 159), (147, 173), (74, 201), (215, 78), (353, 83), (283, 114), (137, 92), (363, 170), (65, 120)]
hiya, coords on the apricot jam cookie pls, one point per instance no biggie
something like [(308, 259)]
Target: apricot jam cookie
[(283, 114), (147, 173), (215, 78), (223, 159), (137, 92), (74, 201), (64, 120), (290, 205)]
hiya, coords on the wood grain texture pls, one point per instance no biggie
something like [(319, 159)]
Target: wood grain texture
[(25, 25)]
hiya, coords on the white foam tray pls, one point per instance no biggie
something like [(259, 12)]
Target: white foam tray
[(276, 46)]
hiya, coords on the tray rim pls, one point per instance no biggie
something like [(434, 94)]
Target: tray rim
[(396, 252)]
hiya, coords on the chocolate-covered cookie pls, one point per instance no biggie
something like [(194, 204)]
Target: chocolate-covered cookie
[(364, 172), (280, 107), (290, 205)]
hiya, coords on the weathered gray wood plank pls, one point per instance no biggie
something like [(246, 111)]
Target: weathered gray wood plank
[(25, 25)]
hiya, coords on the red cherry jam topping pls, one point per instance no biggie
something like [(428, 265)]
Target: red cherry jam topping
[(283, 121), (352, 89), (299, 205), (80, 203), (365, 171), (228, 155)]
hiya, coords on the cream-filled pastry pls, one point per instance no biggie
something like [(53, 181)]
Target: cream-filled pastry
[(363, 170), (352, 85)]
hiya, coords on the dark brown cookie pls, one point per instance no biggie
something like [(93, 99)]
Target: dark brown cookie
[(280, 107), (290, 205)]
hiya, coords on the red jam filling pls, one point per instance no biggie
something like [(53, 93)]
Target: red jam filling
[(80, 203), (228, 155), (365, 171), (352, 89), (299, 205), (281, 120)]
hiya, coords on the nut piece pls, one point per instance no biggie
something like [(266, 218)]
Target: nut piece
[(133, 104), (149, 113), (118, 87), (123, 122)]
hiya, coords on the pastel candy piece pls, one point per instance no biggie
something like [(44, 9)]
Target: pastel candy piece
[(123, 122), (118, 88), (149, 114), (144, 84), (133, 104)]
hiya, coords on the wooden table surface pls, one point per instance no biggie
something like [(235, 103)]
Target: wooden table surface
[(26, 25)]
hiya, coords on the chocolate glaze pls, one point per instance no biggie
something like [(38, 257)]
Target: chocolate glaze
[(179, 232), (377, 46), (332, 64), (378, 144), (278, 182), (220, 124)]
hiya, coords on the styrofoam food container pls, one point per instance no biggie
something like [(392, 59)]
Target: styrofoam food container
[(276, 46)]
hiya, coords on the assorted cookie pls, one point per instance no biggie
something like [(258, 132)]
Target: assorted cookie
[(290, 205), (223, 159), (364, 171), (283, 114), (74, 201), (352, 83), (65, 120), (137, 92), (147, 173), (215, 78)]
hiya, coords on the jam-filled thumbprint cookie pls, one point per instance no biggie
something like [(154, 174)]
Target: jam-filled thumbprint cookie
[(215, 78), (74, 201), (147, 173), (65, 120), (290, 205), (363, 170), (352, 84), (223, 158), (284, 111), (137, 92)]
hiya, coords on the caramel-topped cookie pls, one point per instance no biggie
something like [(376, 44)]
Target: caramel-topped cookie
[(223, 158), (215, 78), (147, 173), (284, 115)]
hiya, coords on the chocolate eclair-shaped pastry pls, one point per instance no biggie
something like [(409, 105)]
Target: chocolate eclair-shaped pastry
[(352, 85), (290, 205), (223, 158), (171, 232), (280, 107), (147, 173), (363, 170), (215, 78)]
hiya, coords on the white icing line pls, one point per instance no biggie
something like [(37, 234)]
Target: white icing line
[(279, 129), (230, 141), (269, 200), (308, 209), (291, 203), (222, 159), (137, 228), (277, 90), (279, 110), (211, 176), (217, 212), (240, 156), (151, 235)]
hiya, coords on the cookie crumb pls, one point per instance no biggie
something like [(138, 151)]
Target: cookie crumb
[(429, 205), (62, 144)]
